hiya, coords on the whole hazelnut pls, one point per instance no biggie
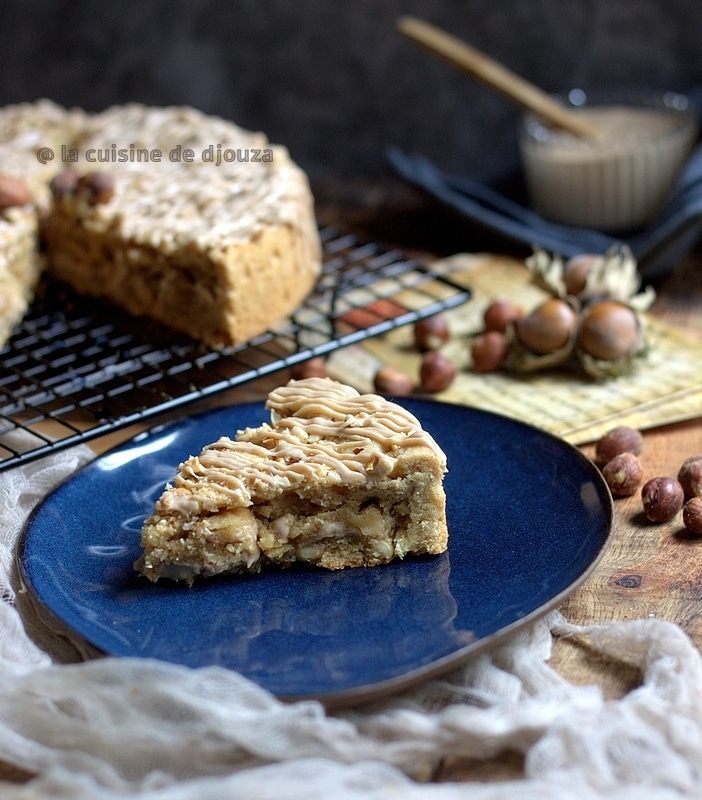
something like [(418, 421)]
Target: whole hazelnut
[(436, 372), (431, 333), (500, 313), (392, 381), (98, 187), (576, 270), (548, 327), (13, 192), (623, 474), (64, 183), (488, 351), (609, 330), (690, 476), (621, 439), (692, 515), (312, 368), (662, 499)]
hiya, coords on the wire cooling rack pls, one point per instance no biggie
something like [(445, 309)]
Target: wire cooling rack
[(77, 369)]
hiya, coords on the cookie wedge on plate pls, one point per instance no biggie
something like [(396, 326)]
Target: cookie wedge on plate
[(335, 479)]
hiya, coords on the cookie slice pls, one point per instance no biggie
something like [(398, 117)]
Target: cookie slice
[(336, 479)]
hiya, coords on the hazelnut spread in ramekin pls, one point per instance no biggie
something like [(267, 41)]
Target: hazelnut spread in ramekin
[(617, 180)]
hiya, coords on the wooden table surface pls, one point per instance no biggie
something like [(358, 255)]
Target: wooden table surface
[(648, 570)]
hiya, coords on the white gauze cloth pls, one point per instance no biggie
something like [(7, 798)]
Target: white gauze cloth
[(114, 728)]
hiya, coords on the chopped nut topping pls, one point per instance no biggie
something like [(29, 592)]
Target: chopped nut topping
[(98, 187), (13, 192), (64, 183)]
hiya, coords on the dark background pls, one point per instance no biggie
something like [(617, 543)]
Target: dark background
[(333, 80)]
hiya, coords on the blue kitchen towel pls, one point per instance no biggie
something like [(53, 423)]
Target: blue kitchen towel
[(657, 247)]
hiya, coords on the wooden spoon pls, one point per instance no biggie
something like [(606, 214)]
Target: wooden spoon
[(494, 75)]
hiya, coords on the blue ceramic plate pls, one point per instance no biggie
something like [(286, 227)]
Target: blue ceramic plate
[(529, 517)]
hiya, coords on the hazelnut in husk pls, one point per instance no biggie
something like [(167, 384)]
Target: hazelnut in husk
[(610, 339), (613, 276), (544, 337), (589, 276), (576, 271)]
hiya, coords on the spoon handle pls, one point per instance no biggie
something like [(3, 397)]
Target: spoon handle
[(494, 74)]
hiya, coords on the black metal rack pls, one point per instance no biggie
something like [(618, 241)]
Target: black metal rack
[(76, 369)]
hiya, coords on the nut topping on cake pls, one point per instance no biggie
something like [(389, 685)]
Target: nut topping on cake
[(64, 184), (96, 187), (13, 192)]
